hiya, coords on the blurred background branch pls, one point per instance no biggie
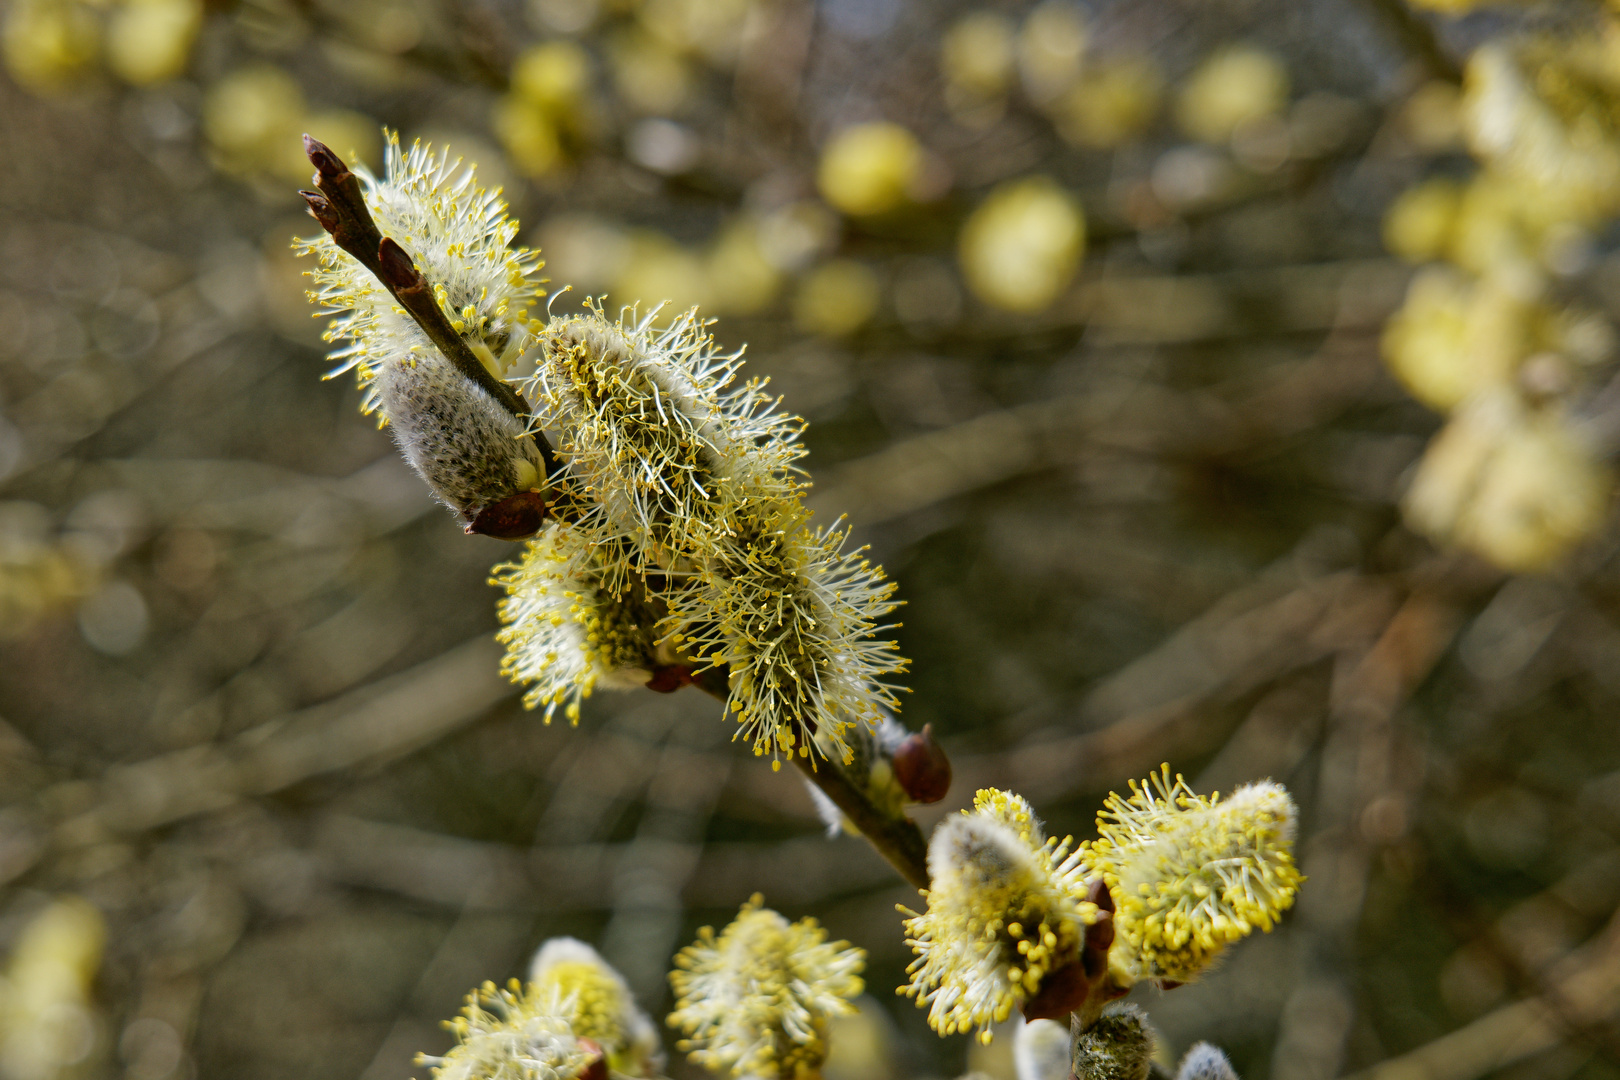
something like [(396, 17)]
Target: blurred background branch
[(1216, 383)]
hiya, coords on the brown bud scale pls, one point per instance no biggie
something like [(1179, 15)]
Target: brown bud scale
[(921, 767)]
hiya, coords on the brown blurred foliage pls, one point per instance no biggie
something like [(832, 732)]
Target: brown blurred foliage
[(1145, 510)]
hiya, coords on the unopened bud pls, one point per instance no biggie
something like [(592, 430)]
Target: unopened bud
[(921, 767), (1100, 934), (321, 210), (397, 270), (328, 166), (667, 680), (598, 1068), (516, 517), (1041, 1051)]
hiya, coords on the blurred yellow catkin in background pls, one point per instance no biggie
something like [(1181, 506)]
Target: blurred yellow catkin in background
[(149, 41), (870, 168), (836, 298), (50, 44), (1020, 248), (546, 106), (1234, 86), (47, 1021)]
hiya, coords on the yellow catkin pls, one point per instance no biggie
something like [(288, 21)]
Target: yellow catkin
[(1005, 908), (1191, 875), (755, 999)]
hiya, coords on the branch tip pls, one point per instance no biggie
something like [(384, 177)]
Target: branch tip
[(327, 164)]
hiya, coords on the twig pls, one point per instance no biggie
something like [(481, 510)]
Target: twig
[(900, 842), (897, 840)]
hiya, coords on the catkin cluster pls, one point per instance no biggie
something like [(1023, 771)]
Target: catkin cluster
[(1017, 920), (696, 506), (1006, 909), (669, 540), (754, 1000), (574, 1019), (1191, 875), (472, 451)]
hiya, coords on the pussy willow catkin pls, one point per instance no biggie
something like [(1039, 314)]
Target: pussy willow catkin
[(1006, 909), (1192, 874), (692, 479)]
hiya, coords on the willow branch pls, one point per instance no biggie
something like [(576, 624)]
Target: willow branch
[(898, 840), (341, 209)]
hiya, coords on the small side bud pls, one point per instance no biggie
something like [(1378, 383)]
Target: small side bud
[(1205, 1062), (516, 517), (321, 210), (396, 269), (598, 1068), (668, 679), (1119, 1046), (921, 767), (1100, 934)]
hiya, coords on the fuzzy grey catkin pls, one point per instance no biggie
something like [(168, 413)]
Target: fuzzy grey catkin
[(470, 450), (1119, 1046), (1205, 1061), (1041, 1051)]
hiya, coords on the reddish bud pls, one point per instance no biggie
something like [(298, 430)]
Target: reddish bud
[(321, 210), (328, 166), (396, 268), (667, 680), (598, 1068), (1100, 934), (921, 767), (516, 517), (1061, 993), (1094, 950)]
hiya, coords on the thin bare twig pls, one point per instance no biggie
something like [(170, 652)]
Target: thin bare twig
[(898, 841)]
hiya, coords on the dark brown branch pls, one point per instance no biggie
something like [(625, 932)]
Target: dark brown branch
[(340, 207), (897, 840)]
